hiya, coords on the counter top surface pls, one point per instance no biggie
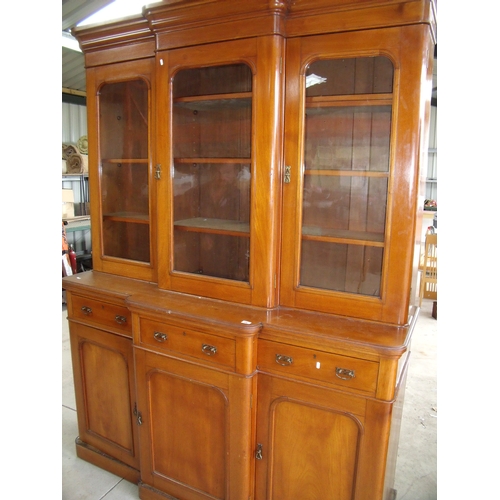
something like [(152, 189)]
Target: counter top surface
[(309, 328)]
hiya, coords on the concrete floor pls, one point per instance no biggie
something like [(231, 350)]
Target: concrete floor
[(416, 470)]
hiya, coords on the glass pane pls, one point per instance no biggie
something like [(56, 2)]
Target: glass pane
[(124, 168), (212, 215), (126, 240), (362, 75), (343, 268), (123, 115), (228, 79), (356, 205), (124, 189), (348, 138), (212, 130), (346, 173)]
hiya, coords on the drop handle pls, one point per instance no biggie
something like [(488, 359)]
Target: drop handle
[(283, 360), (121, 320), (209, 350), (344, 373), (160, 336), (87, 310)]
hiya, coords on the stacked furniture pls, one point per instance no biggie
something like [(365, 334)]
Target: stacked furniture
[(255, 176)]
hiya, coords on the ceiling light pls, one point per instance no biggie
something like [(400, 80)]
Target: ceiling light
[(70, 42), (115, 10)]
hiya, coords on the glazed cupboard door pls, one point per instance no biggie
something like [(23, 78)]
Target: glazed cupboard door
[(353, 107), (218, 149), (120, 169)]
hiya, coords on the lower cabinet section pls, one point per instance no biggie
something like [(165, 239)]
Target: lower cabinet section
[(103, 371), (196, 440), (204, 405)]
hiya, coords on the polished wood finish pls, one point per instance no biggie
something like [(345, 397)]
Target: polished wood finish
[(258, 345), (240, 374), (391, 303), (120, 169), (103, 371), (197, 426), (255, 151)]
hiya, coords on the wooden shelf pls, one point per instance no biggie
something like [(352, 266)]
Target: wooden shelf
[(346, 173), (144, 161), (212, 160), (216, 99), (343, 236), (349, 100), (214, 226), (133, 217)]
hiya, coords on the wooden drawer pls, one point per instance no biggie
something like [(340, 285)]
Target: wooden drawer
[(203, 346), (336, 369), (95, 312)]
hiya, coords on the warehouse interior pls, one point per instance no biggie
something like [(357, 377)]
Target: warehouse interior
[(416, 473), (423, 453)]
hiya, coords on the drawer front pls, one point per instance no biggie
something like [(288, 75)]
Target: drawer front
[(96, 312), (336, 369), (203, 346)]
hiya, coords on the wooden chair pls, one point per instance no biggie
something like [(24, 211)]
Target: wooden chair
[(428, 269)]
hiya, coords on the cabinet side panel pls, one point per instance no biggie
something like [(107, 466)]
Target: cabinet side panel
[(392, 453)]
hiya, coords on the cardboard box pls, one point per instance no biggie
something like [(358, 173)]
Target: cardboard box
[(68, 204)]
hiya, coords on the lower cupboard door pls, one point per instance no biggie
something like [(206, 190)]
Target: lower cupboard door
[(311, 452), (191, 442), (105, 392)]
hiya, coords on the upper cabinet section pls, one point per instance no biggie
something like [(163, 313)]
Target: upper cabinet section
[(264, 152)]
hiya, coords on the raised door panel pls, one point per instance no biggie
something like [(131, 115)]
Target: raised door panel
[(105, 392), (308, 444), (219, 138), (195, 436), (120, 168), (354, 104)]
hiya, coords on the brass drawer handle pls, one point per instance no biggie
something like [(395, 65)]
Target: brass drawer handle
[(209, 350), (86, 310), (121, 320), (160, 337), (283, 360), (344, 373)]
